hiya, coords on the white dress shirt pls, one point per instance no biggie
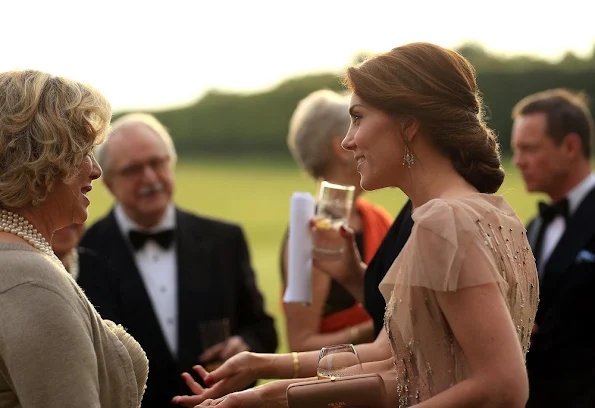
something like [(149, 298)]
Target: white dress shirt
[(555, 229), (158, 269)]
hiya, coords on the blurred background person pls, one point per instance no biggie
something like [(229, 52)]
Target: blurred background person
[(181, 283), (65, 245), (81, 262), (55, 350), (316, 129), (552, 139)]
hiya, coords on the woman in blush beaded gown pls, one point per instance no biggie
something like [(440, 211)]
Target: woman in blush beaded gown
[(462, 294), (55, 350)]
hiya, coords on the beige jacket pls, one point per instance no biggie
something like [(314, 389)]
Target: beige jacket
[(55, 350)]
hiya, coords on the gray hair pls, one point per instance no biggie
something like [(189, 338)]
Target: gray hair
[(317, 119), (129, 120)]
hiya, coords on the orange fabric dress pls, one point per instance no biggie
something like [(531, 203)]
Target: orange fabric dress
[(376, 222)]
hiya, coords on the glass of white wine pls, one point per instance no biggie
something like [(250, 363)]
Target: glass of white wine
[(333, 209), (340, 360)]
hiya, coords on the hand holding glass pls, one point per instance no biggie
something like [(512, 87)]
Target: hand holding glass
[(333, 210), (338, 361), (214, 333)]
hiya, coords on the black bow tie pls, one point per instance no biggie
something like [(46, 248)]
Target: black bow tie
[(163, 238), (548, 212)]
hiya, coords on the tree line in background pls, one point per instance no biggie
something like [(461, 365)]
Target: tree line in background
[(230, 124)]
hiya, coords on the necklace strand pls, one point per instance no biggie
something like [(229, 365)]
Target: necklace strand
[(18, 225)]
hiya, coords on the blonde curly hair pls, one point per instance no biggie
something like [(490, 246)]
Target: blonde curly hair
[(48, 125)]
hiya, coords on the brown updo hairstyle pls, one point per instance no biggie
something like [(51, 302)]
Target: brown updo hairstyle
[(436, 87)]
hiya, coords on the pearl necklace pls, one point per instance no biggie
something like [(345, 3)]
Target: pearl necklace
[(18, 225)]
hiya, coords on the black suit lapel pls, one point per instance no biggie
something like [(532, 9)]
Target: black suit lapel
[(196, 286), (139, 309), (577, 234)]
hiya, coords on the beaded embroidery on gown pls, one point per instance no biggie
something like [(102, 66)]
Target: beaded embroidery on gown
[(455, 243)]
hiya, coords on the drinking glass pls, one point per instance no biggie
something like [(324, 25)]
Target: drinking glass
[(340, 360), (213, 332), (333, 210)]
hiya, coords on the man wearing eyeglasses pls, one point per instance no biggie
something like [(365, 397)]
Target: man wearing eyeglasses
[(171, 271)]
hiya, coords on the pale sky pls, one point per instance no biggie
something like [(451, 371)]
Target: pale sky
[(149, 54)]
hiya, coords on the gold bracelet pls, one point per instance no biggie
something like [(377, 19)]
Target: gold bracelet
[(296, 364)]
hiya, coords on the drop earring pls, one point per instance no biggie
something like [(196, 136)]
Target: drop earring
[(408, 159)]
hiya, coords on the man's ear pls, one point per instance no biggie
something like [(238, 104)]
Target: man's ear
[(572, 145)]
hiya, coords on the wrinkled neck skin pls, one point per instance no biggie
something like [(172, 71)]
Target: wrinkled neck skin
[(40, 218)]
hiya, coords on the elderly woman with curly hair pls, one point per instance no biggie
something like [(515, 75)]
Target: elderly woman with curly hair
[(55, 350)]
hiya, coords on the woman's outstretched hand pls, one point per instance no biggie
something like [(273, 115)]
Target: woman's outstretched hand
[(271, 395), (235, 374)]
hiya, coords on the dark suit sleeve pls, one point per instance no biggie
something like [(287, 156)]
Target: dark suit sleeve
[(254, 325)]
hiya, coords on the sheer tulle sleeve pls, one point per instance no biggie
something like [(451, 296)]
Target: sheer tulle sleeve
[(449, 249)]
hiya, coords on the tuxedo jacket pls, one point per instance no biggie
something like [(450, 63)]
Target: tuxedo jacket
[(387, 252), (561, 358), (215, 280)]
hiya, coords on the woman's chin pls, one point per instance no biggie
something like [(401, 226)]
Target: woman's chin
[(81, 216), (367, 183)]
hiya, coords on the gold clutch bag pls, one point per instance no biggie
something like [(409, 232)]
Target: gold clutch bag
[(357, 391)]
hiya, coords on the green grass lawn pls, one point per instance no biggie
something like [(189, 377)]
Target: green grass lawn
[(255, 193)]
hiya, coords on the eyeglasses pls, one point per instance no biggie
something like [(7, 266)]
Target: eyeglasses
[(136, 170)]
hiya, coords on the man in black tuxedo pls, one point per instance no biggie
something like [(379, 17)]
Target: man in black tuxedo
[(551, 139), (171, 272)]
